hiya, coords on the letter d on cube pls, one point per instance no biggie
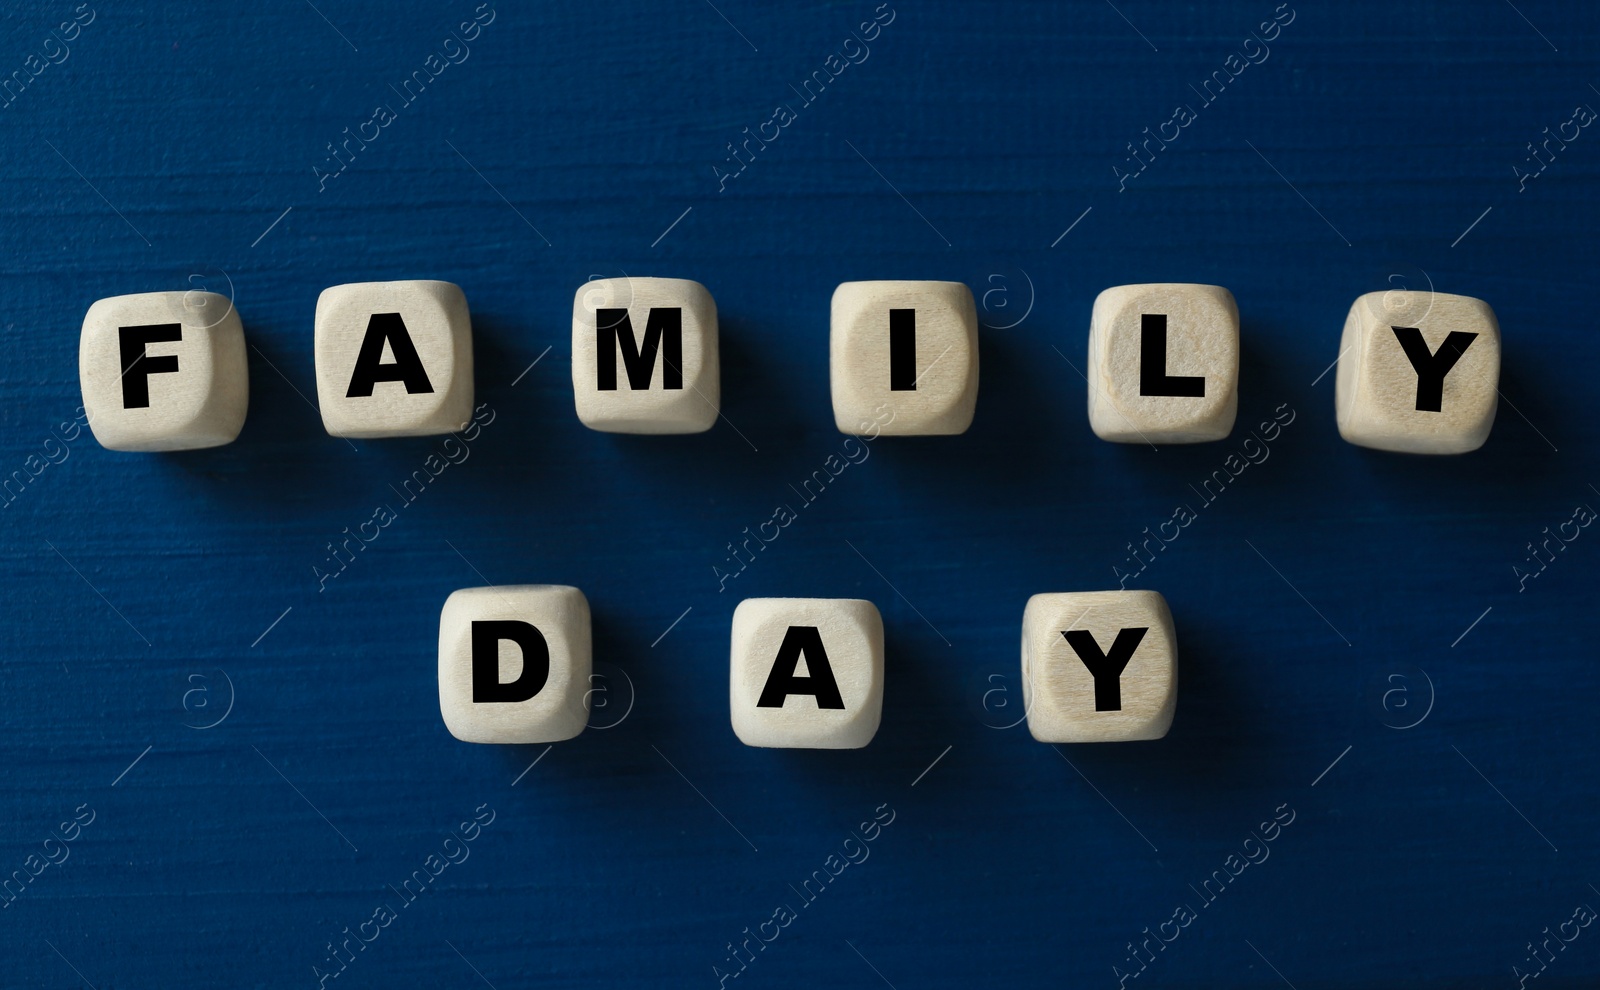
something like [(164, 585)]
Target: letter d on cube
[(514, 663)]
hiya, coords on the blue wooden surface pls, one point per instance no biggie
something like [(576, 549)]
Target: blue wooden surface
[(1320, 601)]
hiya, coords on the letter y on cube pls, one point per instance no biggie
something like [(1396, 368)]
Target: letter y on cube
[(1419, 372), (1099, 666)]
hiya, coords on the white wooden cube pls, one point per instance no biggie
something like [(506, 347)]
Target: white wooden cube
[(394, 359), (514, 663), (1419, 372), (1163, 363), (1099, 666), (163, 371), (644, 356), (806, 673), (906, 350)]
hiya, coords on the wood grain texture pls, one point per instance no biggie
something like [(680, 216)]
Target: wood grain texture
[(1327, 596), (919, 378), (1198, 337), (1099, 666), (187, 386), (806, 673), (369, 334), (681, 382), (1440, 397)]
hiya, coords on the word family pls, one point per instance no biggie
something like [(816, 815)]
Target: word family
[(1418, 372)]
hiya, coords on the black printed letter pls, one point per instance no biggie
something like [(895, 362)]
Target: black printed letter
[(1153, 377), (782, 682), (902, 350), (137, 366), (1431, 368), (1106, 669), (486, 637), (407, 367), (663, 333)]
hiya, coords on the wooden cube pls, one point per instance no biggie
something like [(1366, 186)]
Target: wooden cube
[(644, 356), (1419, 372), (514, 663), (1099, 666), (394, 359), (1163, 363), (907, 351), (163, 371), (807, 673)]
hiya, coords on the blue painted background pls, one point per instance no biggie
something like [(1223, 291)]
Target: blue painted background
[(1322, 602)]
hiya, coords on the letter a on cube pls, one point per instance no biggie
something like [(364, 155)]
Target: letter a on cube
[(514, 663), (807, 673), (394, 359), (910, 347), (1099, 666), (644, 356), (163, 371), (1419, 372)]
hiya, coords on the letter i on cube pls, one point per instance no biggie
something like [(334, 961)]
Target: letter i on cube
[(909, 346)]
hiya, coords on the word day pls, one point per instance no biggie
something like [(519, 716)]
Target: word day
[(1417, 371), (804, 673)]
